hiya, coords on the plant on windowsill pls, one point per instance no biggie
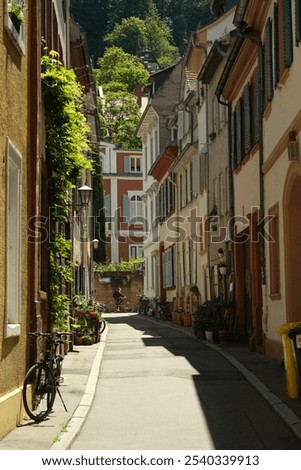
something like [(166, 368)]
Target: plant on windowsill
[(16, 13)]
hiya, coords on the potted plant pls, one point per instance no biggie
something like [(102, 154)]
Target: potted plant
[(79, 328), (87, 339), (16, 13), (204, 323)]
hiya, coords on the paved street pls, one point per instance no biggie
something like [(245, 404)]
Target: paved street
[(162, 389)]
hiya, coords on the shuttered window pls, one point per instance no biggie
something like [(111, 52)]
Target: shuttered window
[(247, 120), (256, 104), (125, 208), (268, 62), (298, 21), (238, 132), (107, 204), (287, 33), (233, 141), (168, 268), (276, 45)]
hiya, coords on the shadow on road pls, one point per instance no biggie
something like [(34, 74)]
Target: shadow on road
[(237, 416)]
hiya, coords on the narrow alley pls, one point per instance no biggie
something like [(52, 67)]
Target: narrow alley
[(160, 388)]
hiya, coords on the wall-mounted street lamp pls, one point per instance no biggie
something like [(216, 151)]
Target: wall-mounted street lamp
[(95, 243), (85, 195)]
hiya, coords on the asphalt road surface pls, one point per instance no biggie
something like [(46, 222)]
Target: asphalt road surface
[(161, 389)]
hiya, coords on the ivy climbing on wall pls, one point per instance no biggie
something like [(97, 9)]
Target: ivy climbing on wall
[(67, 150)]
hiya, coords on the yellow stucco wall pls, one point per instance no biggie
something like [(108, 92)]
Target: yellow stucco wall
[(14, 125)]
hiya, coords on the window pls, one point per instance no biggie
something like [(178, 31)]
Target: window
[(245, 122), (285, 34), (135, 251), (135, 164), (14, 22), (136, 209), (13, 240), (298, 21), (132, 164), (166, 196), (168, 268), (274, 251)]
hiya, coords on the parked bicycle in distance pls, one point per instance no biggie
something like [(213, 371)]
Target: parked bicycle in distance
[(143, 304), (161, 309), (43, 379)]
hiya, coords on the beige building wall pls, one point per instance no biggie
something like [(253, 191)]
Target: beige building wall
[(14, 138), (282, 116)]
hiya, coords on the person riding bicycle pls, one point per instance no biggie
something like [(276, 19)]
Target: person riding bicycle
[(118, 297)]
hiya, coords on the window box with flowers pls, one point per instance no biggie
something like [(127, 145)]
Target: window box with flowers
[(14, 22)]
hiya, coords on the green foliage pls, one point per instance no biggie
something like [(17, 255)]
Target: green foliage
[(159, 38), (60, 274), (66, 130), (119, 115), (129, 35), (66, 144), (128, 266), (182, 17), (16, 7), (121, 67), (133, 34)]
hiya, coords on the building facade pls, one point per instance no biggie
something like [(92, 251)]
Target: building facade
[(14, 213), (25, 213), (123, 190)]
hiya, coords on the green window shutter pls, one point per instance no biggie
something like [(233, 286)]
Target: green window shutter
[(126, 207), (173, 258), (257, 104), (247, 119), (287, 33), (164, 269), (127, 164), (238, 132), (298, 21), (233, 140), (107, 204), (159, 206), (268, 62), (276, 45)]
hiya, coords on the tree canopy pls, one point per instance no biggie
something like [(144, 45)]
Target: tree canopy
[(119, 115), (118, 74), (120, 67), (99, 17), (134, 33)]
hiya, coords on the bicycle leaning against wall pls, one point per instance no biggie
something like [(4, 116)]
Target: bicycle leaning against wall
[(43, 379)]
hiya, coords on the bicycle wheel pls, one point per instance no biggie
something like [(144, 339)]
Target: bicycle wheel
[(111, 307), (156, 312), (102, 326), (38, 392), (128, 307)]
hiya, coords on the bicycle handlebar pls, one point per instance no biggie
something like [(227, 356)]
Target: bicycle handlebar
[(55, 336)]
